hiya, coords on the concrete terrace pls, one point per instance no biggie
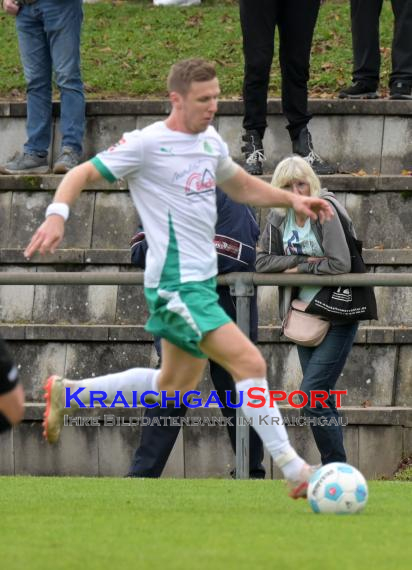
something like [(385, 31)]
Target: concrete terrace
[(79, 330)]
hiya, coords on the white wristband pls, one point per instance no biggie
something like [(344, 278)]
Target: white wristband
[(58, 208)]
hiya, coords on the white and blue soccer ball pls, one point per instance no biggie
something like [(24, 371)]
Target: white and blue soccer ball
[(337, 488)]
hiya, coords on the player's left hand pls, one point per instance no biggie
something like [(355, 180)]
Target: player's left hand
[(47, 237), (314, 208)]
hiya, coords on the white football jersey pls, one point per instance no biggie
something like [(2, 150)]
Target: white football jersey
[(172, 179)]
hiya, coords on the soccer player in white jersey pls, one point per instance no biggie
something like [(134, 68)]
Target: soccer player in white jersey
[(172, 168)]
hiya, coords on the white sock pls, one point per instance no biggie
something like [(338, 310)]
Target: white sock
[(272, 432), (133, 380)]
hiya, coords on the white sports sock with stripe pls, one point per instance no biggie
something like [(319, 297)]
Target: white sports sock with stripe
[(133, 380), (272, 432)]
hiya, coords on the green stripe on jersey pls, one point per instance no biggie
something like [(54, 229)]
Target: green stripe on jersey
[(171, 268), (103, 170)]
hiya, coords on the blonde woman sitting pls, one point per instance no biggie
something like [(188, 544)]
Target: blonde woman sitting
[(292, 243)]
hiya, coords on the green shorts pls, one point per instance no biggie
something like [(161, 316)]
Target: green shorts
[(184, 313)]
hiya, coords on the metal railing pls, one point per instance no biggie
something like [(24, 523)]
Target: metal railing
[(241, 286), (231, 279)]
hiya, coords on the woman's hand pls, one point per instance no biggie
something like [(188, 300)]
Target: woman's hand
[(291, 270), (315, 259)]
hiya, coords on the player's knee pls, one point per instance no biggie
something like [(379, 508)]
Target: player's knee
[(251, 365), (169, 383), (259, 364), (16, 414), (5, 423), (11, 417), (12, 407)]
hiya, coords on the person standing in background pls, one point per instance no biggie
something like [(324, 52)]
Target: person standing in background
[(295, 20), (49, 40), (366, 50), (236, 236)]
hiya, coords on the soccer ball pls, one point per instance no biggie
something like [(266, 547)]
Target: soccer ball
[(337, 488)]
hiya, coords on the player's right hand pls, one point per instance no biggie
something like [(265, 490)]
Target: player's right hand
[(47, 237), (312, 207)]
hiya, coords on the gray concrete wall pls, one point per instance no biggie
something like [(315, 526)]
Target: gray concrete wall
[(104, 218), (375, 136), (84, 330), (377, 372), (200, 451)]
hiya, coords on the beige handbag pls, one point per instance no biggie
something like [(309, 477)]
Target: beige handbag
[(303, 328)]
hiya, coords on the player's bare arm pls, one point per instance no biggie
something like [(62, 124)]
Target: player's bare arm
[(50, 234), (247, 189)]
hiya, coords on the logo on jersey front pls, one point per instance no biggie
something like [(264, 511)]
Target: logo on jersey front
[(199, 183)]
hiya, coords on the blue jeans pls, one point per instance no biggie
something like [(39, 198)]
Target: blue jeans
[(49, 39), (321, 367)]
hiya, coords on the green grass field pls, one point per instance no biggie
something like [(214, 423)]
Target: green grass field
[(129, 45), (77, 523)]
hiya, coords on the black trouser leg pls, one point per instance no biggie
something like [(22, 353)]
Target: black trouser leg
[(258, 21), (223, 381), (8, 371), (156, 443), (365, 39), (296, 23), (402, 42)]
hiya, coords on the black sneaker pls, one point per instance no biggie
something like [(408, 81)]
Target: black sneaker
[(401, 90), (304, 147), (359, 90), (254, 153), (258, 474)]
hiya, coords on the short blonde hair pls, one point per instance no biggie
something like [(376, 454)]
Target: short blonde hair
[(296, 168), (183, 73)]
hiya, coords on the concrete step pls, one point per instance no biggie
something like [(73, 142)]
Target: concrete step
[(201, 450), (368, 135), (377, 372), (367, 334), (91, 330), (350, 182), (74, 256), (359, 415), (105, 219)]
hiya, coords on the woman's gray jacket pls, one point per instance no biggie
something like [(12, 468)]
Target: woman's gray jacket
[(330, 236)]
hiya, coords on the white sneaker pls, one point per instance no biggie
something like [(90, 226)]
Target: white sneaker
[(176, 2)]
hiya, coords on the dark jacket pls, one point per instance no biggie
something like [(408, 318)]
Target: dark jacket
[(237, 233)]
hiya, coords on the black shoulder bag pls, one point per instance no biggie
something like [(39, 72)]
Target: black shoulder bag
[(346, 303)]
